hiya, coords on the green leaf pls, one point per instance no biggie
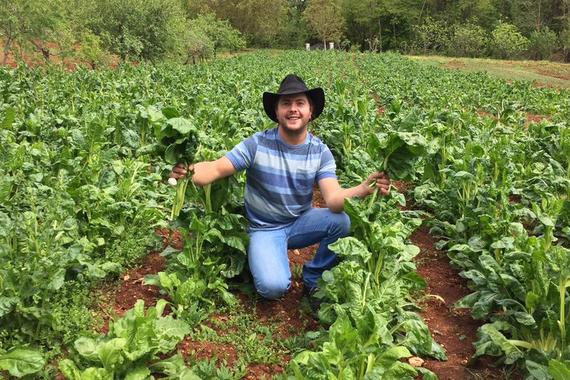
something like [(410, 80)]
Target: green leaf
[(427, 374), (7, 304), (182, 125), (87, 347), (175, 368), (57, 279), (559, 370), (524, 318), (10, 116), (21, 362), (511, 351), (69, 370), (110, 353), (139, 373), (538, 371), (351, 247), (93, 373), (170, 331), (400, 371), (393, 354)]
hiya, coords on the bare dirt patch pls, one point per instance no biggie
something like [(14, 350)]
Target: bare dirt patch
[(263, 371), (454, 64), (534, 118), (486, 114), (560, 74), (380, 110), (203, 350)]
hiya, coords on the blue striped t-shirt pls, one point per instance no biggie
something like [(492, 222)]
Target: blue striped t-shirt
[(280, 176)]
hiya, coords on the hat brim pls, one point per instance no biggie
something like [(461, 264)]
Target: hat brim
[(316, 95)]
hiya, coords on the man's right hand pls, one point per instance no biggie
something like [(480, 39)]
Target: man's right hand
[(205, 172), (181, 170)]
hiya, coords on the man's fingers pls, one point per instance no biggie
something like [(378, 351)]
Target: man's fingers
[(383, 181)]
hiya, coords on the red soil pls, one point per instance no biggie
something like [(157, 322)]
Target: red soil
[(202, 350), (565, 75), (534, 118)]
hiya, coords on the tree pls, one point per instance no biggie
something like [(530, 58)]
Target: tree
[(469, 40), (148, 29), (25, 21), (261, 21), (326, 20), (296, 32), (388, 22), (508, 42), (220, 32)]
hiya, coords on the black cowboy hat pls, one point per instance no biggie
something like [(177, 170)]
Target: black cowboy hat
[(292, 84)]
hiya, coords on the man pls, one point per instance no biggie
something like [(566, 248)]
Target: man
[(282, 165)]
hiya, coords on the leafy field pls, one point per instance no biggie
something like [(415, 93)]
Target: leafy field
[(82, 190)]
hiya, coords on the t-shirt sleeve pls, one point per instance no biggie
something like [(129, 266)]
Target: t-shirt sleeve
[(327, 169), (243, 154)]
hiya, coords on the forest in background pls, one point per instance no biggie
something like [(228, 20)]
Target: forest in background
[(102, 31)]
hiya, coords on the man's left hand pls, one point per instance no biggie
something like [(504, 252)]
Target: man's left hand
[(376, 180)]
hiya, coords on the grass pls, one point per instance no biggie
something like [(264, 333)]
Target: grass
[(542, 73)]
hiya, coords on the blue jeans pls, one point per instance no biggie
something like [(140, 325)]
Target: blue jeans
[(267, 251)]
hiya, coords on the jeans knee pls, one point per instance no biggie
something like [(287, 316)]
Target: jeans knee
[(341, 224), (272, 288)]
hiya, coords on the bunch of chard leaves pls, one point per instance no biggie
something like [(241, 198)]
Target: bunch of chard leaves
[(132, 347), (178, 138)]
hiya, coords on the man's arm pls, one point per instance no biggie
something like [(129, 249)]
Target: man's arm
[(205, 172), (334, 195)]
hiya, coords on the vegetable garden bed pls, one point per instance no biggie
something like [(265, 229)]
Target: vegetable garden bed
[(82, 189)]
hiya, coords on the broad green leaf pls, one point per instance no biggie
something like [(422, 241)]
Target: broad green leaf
[(57, 279), (400, 371), (93, 373), (21, 362), (427, 374), (393, 354), (559, 370), (87, 347), (175, 368), (351, 247), (138, 373), (7, 304), (110, 353), (69, 370), (538, 371), (9, 117), (512, 352), (170, 331), (181, 125), (524, 318)]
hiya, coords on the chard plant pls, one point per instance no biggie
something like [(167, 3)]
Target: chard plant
[(178, 137), (398, 153), (133, 348)]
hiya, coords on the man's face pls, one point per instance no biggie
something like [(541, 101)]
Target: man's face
[(294, 112)]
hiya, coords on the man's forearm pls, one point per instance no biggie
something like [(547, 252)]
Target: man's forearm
[(205, 173), (336, 204)]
